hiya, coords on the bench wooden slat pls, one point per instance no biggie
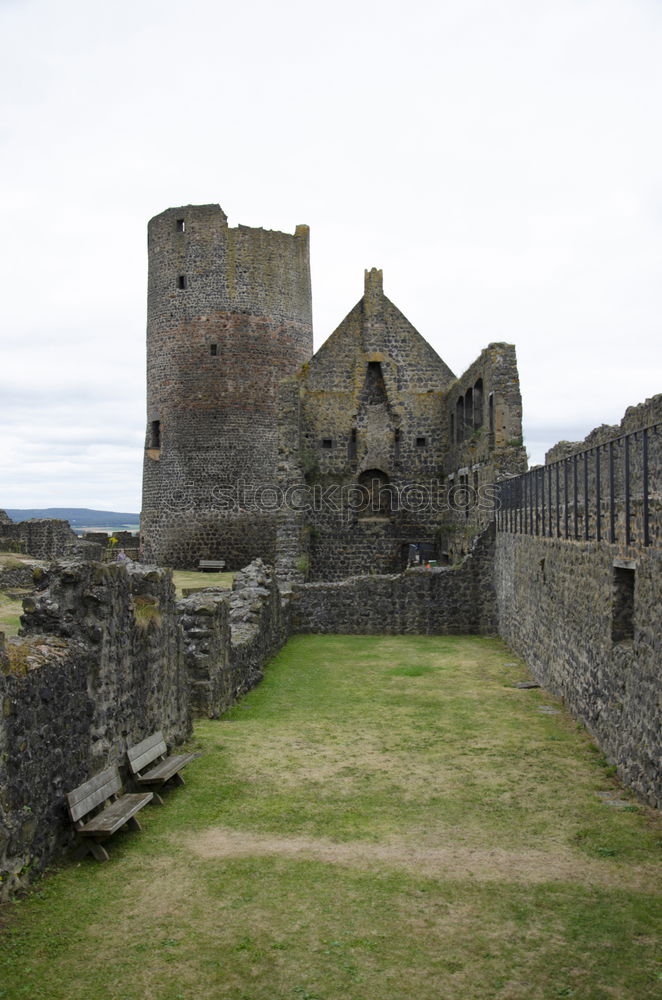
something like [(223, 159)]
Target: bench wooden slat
[(115, 815), (145, 752), (93, 792), (165, 769)]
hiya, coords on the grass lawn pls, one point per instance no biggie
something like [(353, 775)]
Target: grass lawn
[(384, 818), (193, 578), (11, 608), (10, 616)]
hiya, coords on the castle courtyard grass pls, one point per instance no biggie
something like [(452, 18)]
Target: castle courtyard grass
[(186, 578), (383, 818)]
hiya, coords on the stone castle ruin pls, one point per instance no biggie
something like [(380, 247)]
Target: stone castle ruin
[(329, 464), (362, 489)]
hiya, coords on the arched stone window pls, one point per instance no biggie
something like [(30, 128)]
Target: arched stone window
[(478, 403), (459, 420), (468, 412)]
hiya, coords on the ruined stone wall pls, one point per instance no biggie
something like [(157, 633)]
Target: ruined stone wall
[(18, 575), (642, 415), (556, 605), (229, 636), (259, 624), (583, 606), (99, 669), (109, 657), (229, 316), (483, 409), (46, 538), (448, 600)]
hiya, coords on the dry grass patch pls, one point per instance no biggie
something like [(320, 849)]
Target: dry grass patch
[(452, 862)]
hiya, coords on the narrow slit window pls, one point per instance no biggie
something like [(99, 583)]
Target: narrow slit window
[(396, 444), (181, 281), (351, 447), (156, 434), (181, 225), (421, 442), (622, 621), (213, 350)]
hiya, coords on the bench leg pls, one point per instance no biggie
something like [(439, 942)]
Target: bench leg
[(81, 851), (133, 824), (177, 779), (99, 852), (156, 800)]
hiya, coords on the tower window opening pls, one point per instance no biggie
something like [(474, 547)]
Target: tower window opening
[(622, 620), (213, 350), (181, 281), (396, 444), (156, 434), (351, 447), (181, 225), (327, 442), (421, 442), (490, 412)]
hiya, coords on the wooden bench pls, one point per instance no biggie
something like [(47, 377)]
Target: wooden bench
[(166, 769), (99, 809), (211, 565)]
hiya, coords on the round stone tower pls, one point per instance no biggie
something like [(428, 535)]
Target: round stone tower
[(228, 317)]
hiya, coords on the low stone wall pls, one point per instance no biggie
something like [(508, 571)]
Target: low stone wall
[(47, 538), (204, 617), (15, 574), (229, 636), (99, 668), (259, 624), (556, 603), (440, 601)]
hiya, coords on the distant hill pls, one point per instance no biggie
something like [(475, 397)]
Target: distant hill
[(80, 517)]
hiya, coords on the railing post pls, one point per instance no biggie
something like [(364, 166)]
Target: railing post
[(586, 506), (598, 496), (612, 498), (537, 503), (558, 503), (626, 470), (549, 497), (566, 512), (644, 473), (575, 494)]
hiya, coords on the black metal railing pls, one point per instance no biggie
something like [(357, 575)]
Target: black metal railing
[(610, 492)]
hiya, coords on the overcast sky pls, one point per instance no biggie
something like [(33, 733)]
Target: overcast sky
[(499, 159)]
